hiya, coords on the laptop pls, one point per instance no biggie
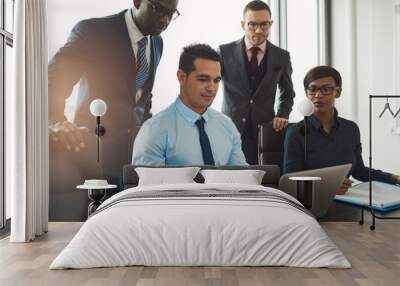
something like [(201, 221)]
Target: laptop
[(324, 190)]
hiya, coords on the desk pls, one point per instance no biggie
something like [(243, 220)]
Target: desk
[(96, 195)]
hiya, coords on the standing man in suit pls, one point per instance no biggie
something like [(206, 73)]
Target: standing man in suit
[(252, 69), (114, 58)]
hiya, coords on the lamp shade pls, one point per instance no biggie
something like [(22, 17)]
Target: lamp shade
[(305, 107), (98, 107)]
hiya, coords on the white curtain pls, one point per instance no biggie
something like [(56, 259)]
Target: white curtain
[(27, 154)]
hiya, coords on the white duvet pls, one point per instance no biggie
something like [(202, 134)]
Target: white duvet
[(200, 231)]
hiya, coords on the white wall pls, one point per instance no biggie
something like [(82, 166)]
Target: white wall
[(302, 42), (64, 14), (364, 52)]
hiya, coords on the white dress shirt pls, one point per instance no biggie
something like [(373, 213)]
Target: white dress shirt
[(135, 35), (261, 52)]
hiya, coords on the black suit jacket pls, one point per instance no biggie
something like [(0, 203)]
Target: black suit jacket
[(239, 100), (99, 54)]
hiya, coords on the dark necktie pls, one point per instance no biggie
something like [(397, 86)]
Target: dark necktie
[(142, 70), (253, 60), (205, 143)]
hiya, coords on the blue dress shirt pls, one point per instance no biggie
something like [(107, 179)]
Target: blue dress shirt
[(341, 146), (171, 138)]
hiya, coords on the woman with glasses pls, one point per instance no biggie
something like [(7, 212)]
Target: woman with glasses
[(331, 139)]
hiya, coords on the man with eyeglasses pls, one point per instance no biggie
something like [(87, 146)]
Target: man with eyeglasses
[(114, 58), (252, 69)]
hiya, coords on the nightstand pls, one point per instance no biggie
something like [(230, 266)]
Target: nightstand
[(96, 195)]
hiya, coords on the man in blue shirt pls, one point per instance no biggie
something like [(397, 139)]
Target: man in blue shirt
[(189, 132)]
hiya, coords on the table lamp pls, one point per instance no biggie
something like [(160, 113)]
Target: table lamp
[(306, 108), (98, 108)]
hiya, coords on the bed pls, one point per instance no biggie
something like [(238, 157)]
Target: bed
[(201, 224)]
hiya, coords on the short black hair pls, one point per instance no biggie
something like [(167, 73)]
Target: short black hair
[(256, 5), (196, 51), (321, 72)]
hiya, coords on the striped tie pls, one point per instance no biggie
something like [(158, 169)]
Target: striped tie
[(142, 66)]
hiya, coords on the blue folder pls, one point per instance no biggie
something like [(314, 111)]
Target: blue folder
[(379, 190)]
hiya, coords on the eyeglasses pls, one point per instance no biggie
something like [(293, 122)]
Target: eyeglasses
[(161, 11), (263, 25), (325, 90)]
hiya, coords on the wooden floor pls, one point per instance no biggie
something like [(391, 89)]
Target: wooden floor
[(374, 255)]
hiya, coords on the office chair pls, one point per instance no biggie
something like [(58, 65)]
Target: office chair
[(270, 145)]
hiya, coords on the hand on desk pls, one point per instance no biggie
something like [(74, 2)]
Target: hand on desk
[(279, 123), (344, 187), (68, 134)]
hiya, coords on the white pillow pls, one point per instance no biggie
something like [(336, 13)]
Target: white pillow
[(248, 177), (165, 176)]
